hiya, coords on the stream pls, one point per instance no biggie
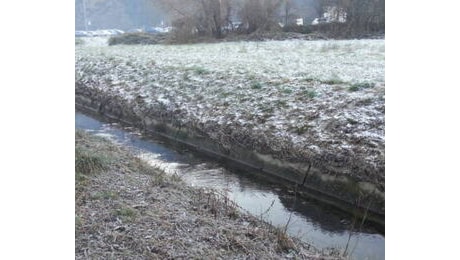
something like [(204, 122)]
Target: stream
[(316, 224)]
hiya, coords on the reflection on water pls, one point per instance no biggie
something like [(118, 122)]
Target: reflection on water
[(318, 225)]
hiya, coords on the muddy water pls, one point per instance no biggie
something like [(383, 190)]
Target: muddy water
[(316, 224)]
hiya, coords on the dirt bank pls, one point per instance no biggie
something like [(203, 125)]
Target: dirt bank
[(126, 209)]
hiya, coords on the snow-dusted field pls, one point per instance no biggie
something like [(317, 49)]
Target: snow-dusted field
[(322, 100), (349, 61)]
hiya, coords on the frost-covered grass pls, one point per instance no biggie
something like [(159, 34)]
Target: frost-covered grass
[(93, 41), (348, 61), (302, 99)]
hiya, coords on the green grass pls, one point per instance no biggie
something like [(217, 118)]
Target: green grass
[(94, 155), (79, 41), (89, 161), (126, 213), (80, 177), (309, 79), (267, 109), (256, 85), (281, 104), (333, 81), (224, 94), (287, 91), (359, 86), (310, 93), (78, 220), (199, 70), (104, 195)]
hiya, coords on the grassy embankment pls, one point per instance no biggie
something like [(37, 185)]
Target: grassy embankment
[(126, 208), (320, 102)]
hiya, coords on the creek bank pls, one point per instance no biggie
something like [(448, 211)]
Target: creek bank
[(336, 190), (127, 209)]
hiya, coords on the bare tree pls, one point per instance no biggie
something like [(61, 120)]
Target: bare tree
[(198, 17), (259, 14), (288, 11), (353, 17), (365, 15)]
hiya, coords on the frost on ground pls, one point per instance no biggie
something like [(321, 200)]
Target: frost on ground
[(95, 41), (316, 101)]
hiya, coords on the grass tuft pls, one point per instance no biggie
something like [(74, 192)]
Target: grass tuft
[(333, 81), (310, 93), (256, 85), (285, 243), (126, 213), (89, 162), (359, 86), (199, 70), (309, 79), (287, 91), (105, 195)]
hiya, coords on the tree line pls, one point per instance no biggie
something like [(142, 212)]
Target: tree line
[(216, 18)]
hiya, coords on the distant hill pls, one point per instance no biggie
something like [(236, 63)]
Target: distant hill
[(116, 14)]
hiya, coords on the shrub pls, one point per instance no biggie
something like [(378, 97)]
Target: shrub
[(134, 38)]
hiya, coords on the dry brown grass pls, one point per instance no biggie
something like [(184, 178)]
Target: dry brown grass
[(130, 210)]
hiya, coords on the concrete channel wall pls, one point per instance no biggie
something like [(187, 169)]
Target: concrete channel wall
[(358, 197)]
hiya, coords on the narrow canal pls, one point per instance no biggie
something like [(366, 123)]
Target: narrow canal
[(316, 224)]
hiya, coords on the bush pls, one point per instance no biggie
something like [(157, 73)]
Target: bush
[(135, 38)]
